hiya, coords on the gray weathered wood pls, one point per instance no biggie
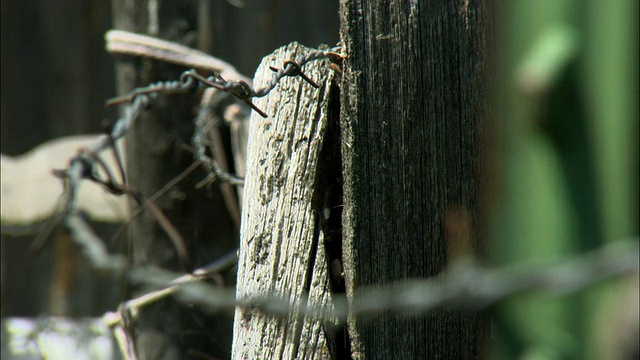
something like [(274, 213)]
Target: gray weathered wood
[(412, 104), (282, 247)]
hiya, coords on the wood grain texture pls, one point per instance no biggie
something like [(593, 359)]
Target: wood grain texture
[(282, 246), (411, 108)]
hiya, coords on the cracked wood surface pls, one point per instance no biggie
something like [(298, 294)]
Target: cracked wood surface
[(281, 246)]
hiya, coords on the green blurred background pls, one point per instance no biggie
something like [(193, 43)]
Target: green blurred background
[(567, 125)]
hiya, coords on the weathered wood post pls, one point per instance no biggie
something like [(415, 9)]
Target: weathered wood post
[(282, 241), (411, 108)]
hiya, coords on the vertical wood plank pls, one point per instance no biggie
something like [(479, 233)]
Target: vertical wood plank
[(282, 245), (411, 107)]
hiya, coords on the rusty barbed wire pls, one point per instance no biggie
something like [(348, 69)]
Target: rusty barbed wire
[(191, 80), (199, 142), (83, 166), (86, 162), (294, 68)]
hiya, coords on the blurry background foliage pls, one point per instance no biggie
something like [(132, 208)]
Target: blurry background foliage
[(567, 110)]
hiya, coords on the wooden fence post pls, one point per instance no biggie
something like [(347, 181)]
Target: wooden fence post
[(412, 106), (282, 241)]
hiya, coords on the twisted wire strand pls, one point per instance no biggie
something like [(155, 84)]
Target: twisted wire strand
[(294, 68), (186, 83), (83, 164), (465, 284), (199, 143), (192, 80)]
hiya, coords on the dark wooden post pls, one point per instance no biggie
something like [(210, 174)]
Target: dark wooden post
[(412, 104), (170, 329)]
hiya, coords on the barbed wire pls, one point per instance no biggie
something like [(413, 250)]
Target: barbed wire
[(465, 284), (191, 79), (294, 68), (83, 166), (86, 164), (199, 141)]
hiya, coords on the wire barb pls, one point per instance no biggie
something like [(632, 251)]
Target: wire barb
[(292, 68), (192, 80)]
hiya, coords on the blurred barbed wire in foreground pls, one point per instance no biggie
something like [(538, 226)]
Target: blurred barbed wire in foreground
[(465, 284)]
